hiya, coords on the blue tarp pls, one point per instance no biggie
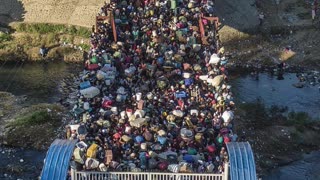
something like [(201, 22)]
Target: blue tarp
[(242, 165), (57, 160)]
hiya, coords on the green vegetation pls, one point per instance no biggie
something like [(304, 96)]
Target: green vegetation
[(256, 114), (299, 119), (85, 47), (36, 118), (4, 37), (25, 42), (34, 126), (45, 28), (37, 115)]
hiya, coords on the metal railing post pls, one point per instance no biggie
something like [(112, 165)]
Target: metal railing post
[(73, 177), (226, 171)]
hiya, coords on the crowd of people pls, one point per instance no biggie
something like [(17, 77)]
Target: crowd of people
[(153, 96)]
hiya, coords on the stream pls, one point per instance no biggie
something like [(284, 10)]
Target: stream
[(278, 92), (281, 93), (36, 83), (39, 82)]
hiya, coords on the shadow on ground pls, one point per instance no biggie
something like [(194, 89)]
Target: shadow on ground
[(241, 15), (10, 11)]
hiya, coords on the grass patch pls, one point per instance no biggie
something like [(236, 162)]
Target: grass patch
[(299, 119), (37, 115), (85, 47), (257, 115), (36, 118), (45, 28), (4, 37)]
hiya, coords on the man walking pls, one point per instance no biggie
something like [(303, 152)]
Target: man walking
[(261, 18)]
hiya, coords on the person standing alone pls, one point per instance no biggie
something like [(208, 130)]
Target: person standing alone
[(261, 18)]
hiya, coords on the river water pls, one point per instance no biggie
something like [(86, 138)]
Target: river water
[(278, 92), (281, 93), (36, 81), (39, 83)]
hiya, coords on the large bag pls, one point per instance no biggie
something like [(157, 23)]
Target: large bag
[(185, 168), (188, 81), (197, 67), (109, 156), (163, 166), (85, 85), (94, 60), (175, 168), (78, 156), (162, 140), (161, 84), (177, 113), (92, 151), (152, 163), (90, 92), (93, 67), (92, 163)]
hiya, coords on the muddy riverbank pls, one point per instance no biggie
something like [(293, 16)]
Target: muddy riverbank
[(280, 121), (32, 114)]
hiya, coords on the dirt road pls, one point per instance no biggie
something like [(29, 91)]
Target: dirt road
[(75, 12)]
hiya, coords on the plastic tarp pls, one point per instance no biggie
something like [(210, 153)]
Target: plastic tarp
[(57, 160), (242, 165), (90, 92)]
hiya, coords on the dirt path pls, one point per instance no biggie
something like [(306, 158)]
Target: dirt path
[(75, 12)]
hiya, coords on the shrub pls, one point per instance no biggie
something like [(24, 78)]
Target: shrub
[(45, 28)]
